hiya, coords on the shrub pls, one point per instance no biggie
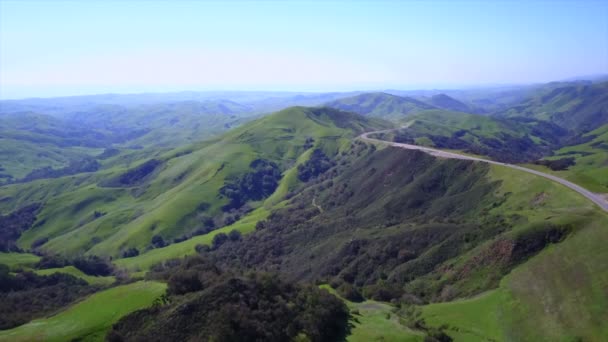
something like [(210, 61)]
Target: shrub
[(131, 252), (234, 235), (218, 240), (158, 241)]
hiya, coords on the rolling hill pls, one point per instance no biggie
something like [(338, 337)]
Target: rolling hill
[(381, 105), (578, 106), (185, 191), (443, 101)]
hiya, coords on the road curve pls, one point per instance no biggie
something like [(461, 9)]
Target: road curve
[(593, 197)]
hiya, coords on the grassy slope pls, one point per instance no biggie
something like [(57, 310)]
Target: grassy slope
[(559, 295), (16, 260), (375, 322), (90, 319), (71, 270), (556, 295)]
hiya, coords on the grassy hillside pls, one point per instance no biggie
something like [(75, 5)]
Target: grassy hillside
[(177, 192), (443, 101), (581, 106), (381, 105), (555, 296), (18, 260), (90, 319), (71, 270), (396, 225)]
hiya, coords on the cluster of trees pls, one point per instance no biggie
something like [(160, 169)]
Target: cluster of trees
[(25, 295), (15, 223), (313, 167), (557, 164), (91, 265), (205, 302), (256, 185)]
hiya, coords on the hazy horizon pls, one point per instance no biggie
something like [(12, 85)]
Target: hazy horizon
[(63, 48)]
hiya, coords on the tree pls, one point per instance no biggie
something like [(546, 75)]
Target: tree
[(234, 235), (158, 241), (219, 240)]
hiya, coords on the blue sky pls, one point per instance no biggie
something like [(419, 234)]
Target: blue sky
[(50, 48)]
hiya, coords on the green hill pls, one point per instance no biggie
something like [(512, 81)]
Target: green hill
[(381, 105), (443, 101), (182, 192), (580, 106)]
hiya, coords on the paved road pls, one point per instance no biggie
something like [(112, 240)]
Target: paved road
[(595, 198)]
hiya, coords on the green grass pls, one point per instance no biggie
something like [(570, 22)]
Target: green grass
[(89, 319), (375, 322), (16, 260), (71, 270), (476, 319), (554, 199)]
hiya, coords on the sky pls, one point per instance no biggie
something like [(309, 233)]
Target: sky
[(53, 48)]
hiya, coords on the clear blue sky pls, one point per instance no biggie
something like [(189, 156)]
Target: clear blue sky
[(52, 48)]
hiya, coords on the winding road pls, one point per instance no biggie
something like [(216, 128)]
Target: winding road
[(595, 198)]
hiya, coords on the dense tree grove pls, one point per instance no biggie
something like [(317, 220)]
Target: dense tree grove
[(557, 164), (13, 224), (91, 265), (252, 186), (316, 165), (210, 304)]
